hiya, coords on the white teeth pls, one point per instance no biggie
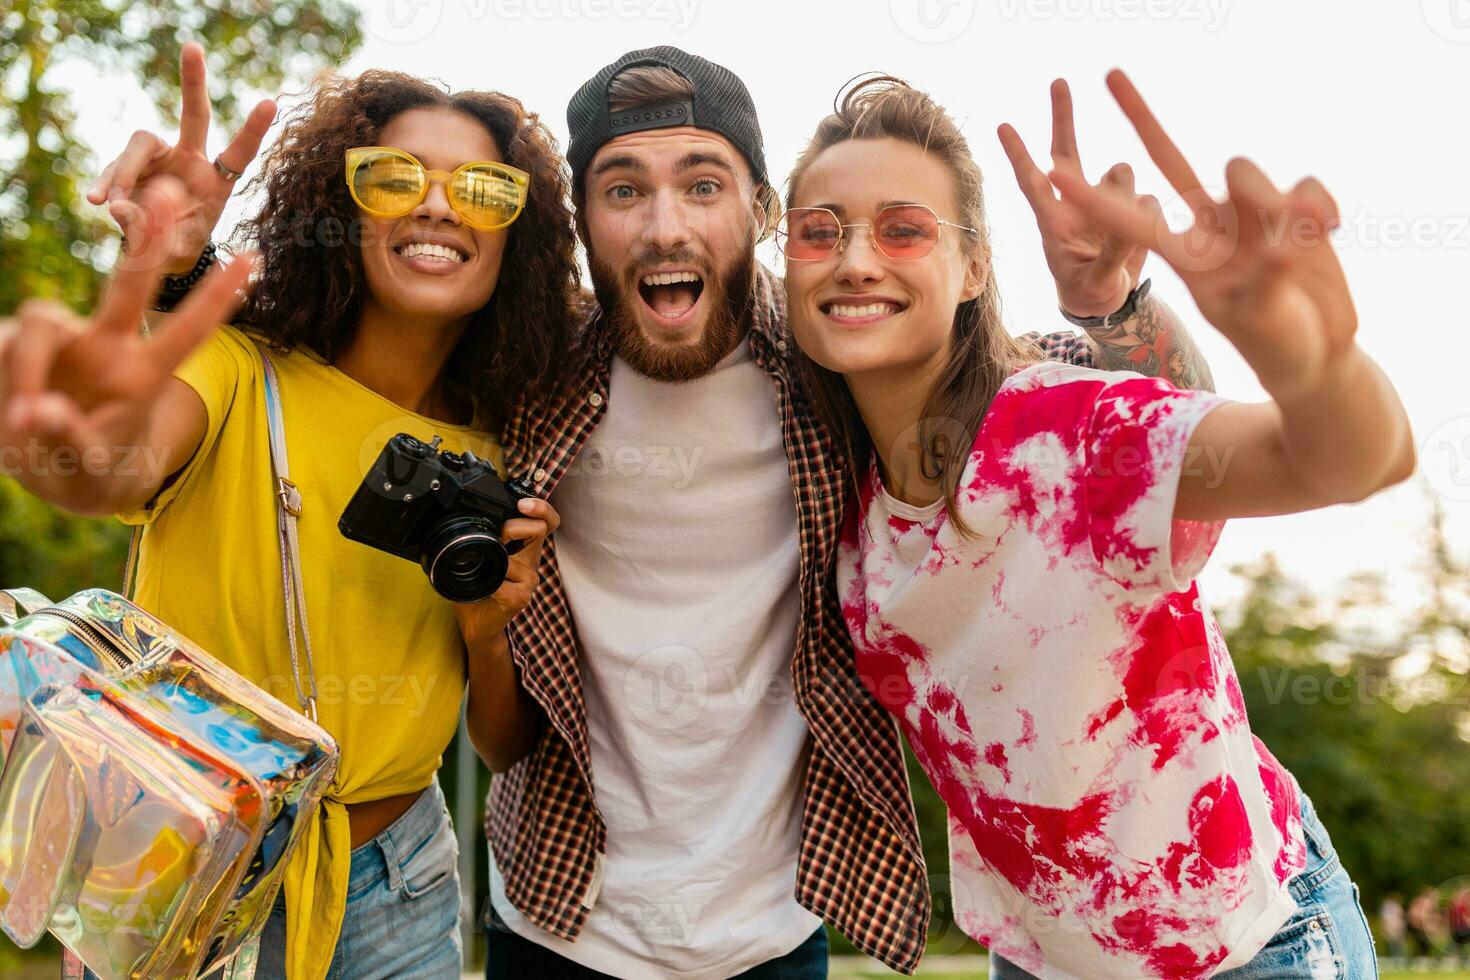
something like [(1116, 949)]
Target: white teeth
[(669, 278), (415, 249), (872, 309)]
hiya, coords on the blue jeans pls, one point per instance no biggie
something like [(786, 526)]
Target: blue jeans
[(403, 904), (1327, 938), (510, 956)]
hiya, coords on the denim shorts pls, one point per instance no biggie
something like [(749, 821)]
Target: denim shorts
[(1326, 939), (403, 904)]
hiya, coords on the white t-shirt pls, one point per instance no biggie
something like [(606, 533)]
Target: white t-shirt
[(680, 555), (1068, 693)]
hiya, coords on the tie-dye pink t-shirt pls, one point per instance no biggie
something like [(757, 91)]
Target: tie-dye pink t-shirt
[(1068, 693)]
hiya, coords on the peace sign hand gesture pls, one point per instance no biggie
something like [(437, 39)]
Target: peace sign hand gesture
[(1259, 264), (1094, 267), (86, 389), (207, 182)]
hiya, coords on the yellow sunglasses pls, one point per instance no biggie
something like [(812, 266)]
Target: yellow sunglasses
[(389, 183)]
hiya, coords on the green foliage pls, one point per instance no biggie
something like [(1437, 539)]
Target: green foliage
[(1372, 726), (51, 245), (55, 553)]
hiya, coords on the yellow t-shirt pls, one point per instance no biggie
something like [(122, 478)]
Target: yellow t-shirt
[(390, 661)]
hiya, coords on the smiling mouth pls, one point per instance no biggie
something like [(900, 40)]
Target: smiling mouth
[(671, 295), (431, 252), (861, 313)]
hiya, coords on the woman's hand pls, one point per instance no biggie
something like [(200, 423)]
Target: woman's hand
[(483, 621), (1260, 264), (77, 394), (206, 188), (1095, 267)]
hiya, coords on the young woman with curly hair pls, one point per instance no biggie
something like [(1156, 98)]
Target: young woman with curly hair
[(416, 274)]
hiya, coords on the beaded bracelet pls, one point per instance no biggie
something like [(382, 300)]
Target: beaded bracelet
[(175, 288)]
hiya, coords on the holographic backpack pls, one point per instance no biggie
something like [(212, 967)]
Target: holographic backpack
[(151, 797)]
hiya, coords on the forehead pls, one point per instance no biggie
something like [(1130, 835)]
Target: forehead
[(442, 138), (661, 150), (859, 176)]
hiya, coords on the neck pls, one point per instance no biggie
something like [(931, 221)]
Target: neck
[(892, 404), (403, 359)]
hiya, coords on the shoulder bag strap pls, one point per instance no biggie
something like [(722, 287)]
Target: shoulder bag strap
[(288, 511)]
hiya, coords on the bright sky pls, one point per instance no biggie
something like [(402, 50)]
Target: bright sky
[(1367, 97)]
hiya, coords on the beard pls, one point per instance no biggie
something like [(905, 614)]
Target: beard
[(728, 291)]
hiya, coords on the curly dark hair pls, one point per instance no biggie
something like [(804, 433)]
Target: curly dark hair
[(310, 294)]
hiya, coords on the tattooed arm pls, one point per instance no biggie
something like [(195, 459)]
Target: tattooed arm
[(1153, 342), (1095, 268)]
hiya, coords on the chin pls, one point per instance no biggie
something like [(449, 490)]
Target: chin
[(657, 335), (447, 303), (857, 355)]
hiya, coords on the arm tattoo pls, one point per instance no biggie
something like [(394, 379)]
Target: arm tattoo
[(1155, 343)]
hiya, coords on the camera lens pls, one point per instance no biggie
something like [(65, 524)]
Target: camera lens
[(464, 559)]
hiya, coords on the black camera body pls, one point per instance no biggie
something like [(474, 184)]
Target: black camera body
[(443, 510)]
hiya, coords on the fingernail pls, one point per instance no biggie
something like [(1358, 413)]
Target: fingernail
[(526, 506)]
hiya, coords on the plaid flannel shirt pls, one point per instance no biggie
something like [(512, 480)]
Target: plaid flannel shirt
[(861, 867)]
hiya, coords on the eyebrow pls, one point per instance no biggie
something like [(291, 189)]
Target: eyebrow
[(420, 157), (697, 159), (841, 212), (625, 162)]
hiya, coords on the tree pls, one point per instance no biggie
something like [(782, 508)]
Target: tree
[(51, 247), (1372, 726)]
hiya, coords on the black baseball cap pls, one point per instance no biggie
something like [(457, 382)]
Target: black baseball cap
[(721, 104)]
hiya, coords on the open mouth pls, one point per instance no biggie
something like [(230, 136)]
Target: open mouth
[(861, 312), (671, 296), (432, 252)]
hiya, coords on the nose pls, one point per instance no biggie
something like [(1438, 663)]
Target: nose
[(435, 205), (667, 229), (858, 262)]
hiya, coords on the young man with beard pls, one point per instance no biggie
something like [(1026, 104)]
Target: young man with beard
[(712, 779)]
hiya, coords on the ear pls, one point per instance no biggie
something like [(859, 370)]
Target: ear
[(765, 209), (977, 274)]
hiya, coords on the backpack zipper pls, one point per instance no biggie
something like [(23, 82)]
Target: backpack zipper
[(100, 642)]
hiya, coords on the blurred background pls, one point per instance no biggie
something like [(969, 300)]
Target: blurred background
[(1350, 627)]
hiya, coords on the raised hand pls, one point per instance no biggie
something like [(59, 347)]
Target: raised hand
[(1094, 267), (85, 389), (1259, 264), (207, 182)]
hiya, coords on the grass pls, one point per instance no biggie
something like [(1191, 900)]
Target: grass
[(887, 975), (935, 968)]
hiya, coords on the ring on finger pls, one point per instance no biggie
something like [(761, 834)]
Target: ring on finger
[(226, 172)]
